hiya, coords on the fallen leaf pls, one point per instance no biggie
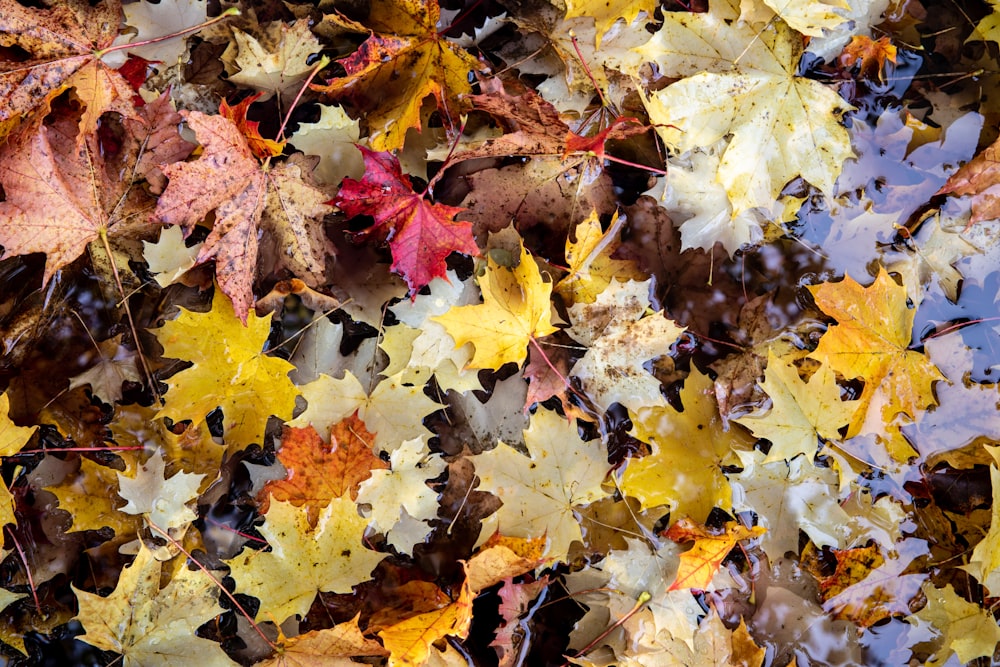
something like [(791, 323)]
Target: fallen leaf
[(684, 471), (64, 43), (538, 498), (871, 341), (964, 628), (62, 194), (514, 312), (163, 501), (869, 54), (744, 83), (275, 63), (151, 626), (404, 60), (316, 473), (228, 371), (420, 234), (245, 196), (621, 335), (799, 412), (304, 559), (409, 642), (700, 563)]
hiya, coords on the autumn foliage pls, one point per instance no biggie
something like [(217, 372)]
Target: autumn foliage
[(499, 333)]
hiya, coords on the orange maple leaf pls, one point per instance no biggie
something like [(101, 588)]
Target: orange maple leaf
[(317, 472), (65, 44), (871, 53), (245, 196), (700, 563)]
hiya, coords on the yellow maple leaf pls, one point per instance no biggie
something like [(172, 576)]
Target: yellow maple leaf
[(541, 492), (409, 642), (514, 311), (405, 59), (608, 12), (871, 341), (741, 82), (153, 627), (684, 472), (304, 560), (965, 628), (799, 411), (229, 371), (591, 267), (91, 497)]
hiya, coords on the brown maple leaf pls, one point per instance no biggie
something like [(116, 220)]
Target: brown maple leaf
[(64, 43), (62, 193), (978, 177), (246, 196)]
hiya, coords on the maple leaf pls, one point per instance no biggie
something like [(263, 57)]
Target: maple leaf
[(621, 336), (405, 59), (12, 439), (420, 347), (589, 261), (420, 234), (116, 365), (228, 371), (515, 311), (868, 587), (542, 491), (192, 450), (163, 501), (277, 63), (393, 411), (606, 13), (304, 559), (789, 496), (316, 474), (744, 83), (871, 341), (65, 43), (332, 138), (61, 194), (700, 563), (12, 436), (809, 17), (246, 198), (148, 625), (89, 498), (869, 54), (146, 20), (409, 642), (515, 605), (684, 472), (169, 258), (324, 647), (404, 485), (965, 628), (799, 412)]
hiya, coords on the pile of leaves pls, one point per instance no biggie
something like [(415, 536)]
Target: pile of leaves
[(504, 332)]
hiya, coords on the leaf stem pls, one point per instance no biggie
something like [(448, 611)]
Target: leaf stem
[(644, 597), (323, 62)]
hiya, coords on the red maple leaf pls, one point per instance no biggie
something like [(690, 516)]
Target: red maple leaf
[(420, 234)]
